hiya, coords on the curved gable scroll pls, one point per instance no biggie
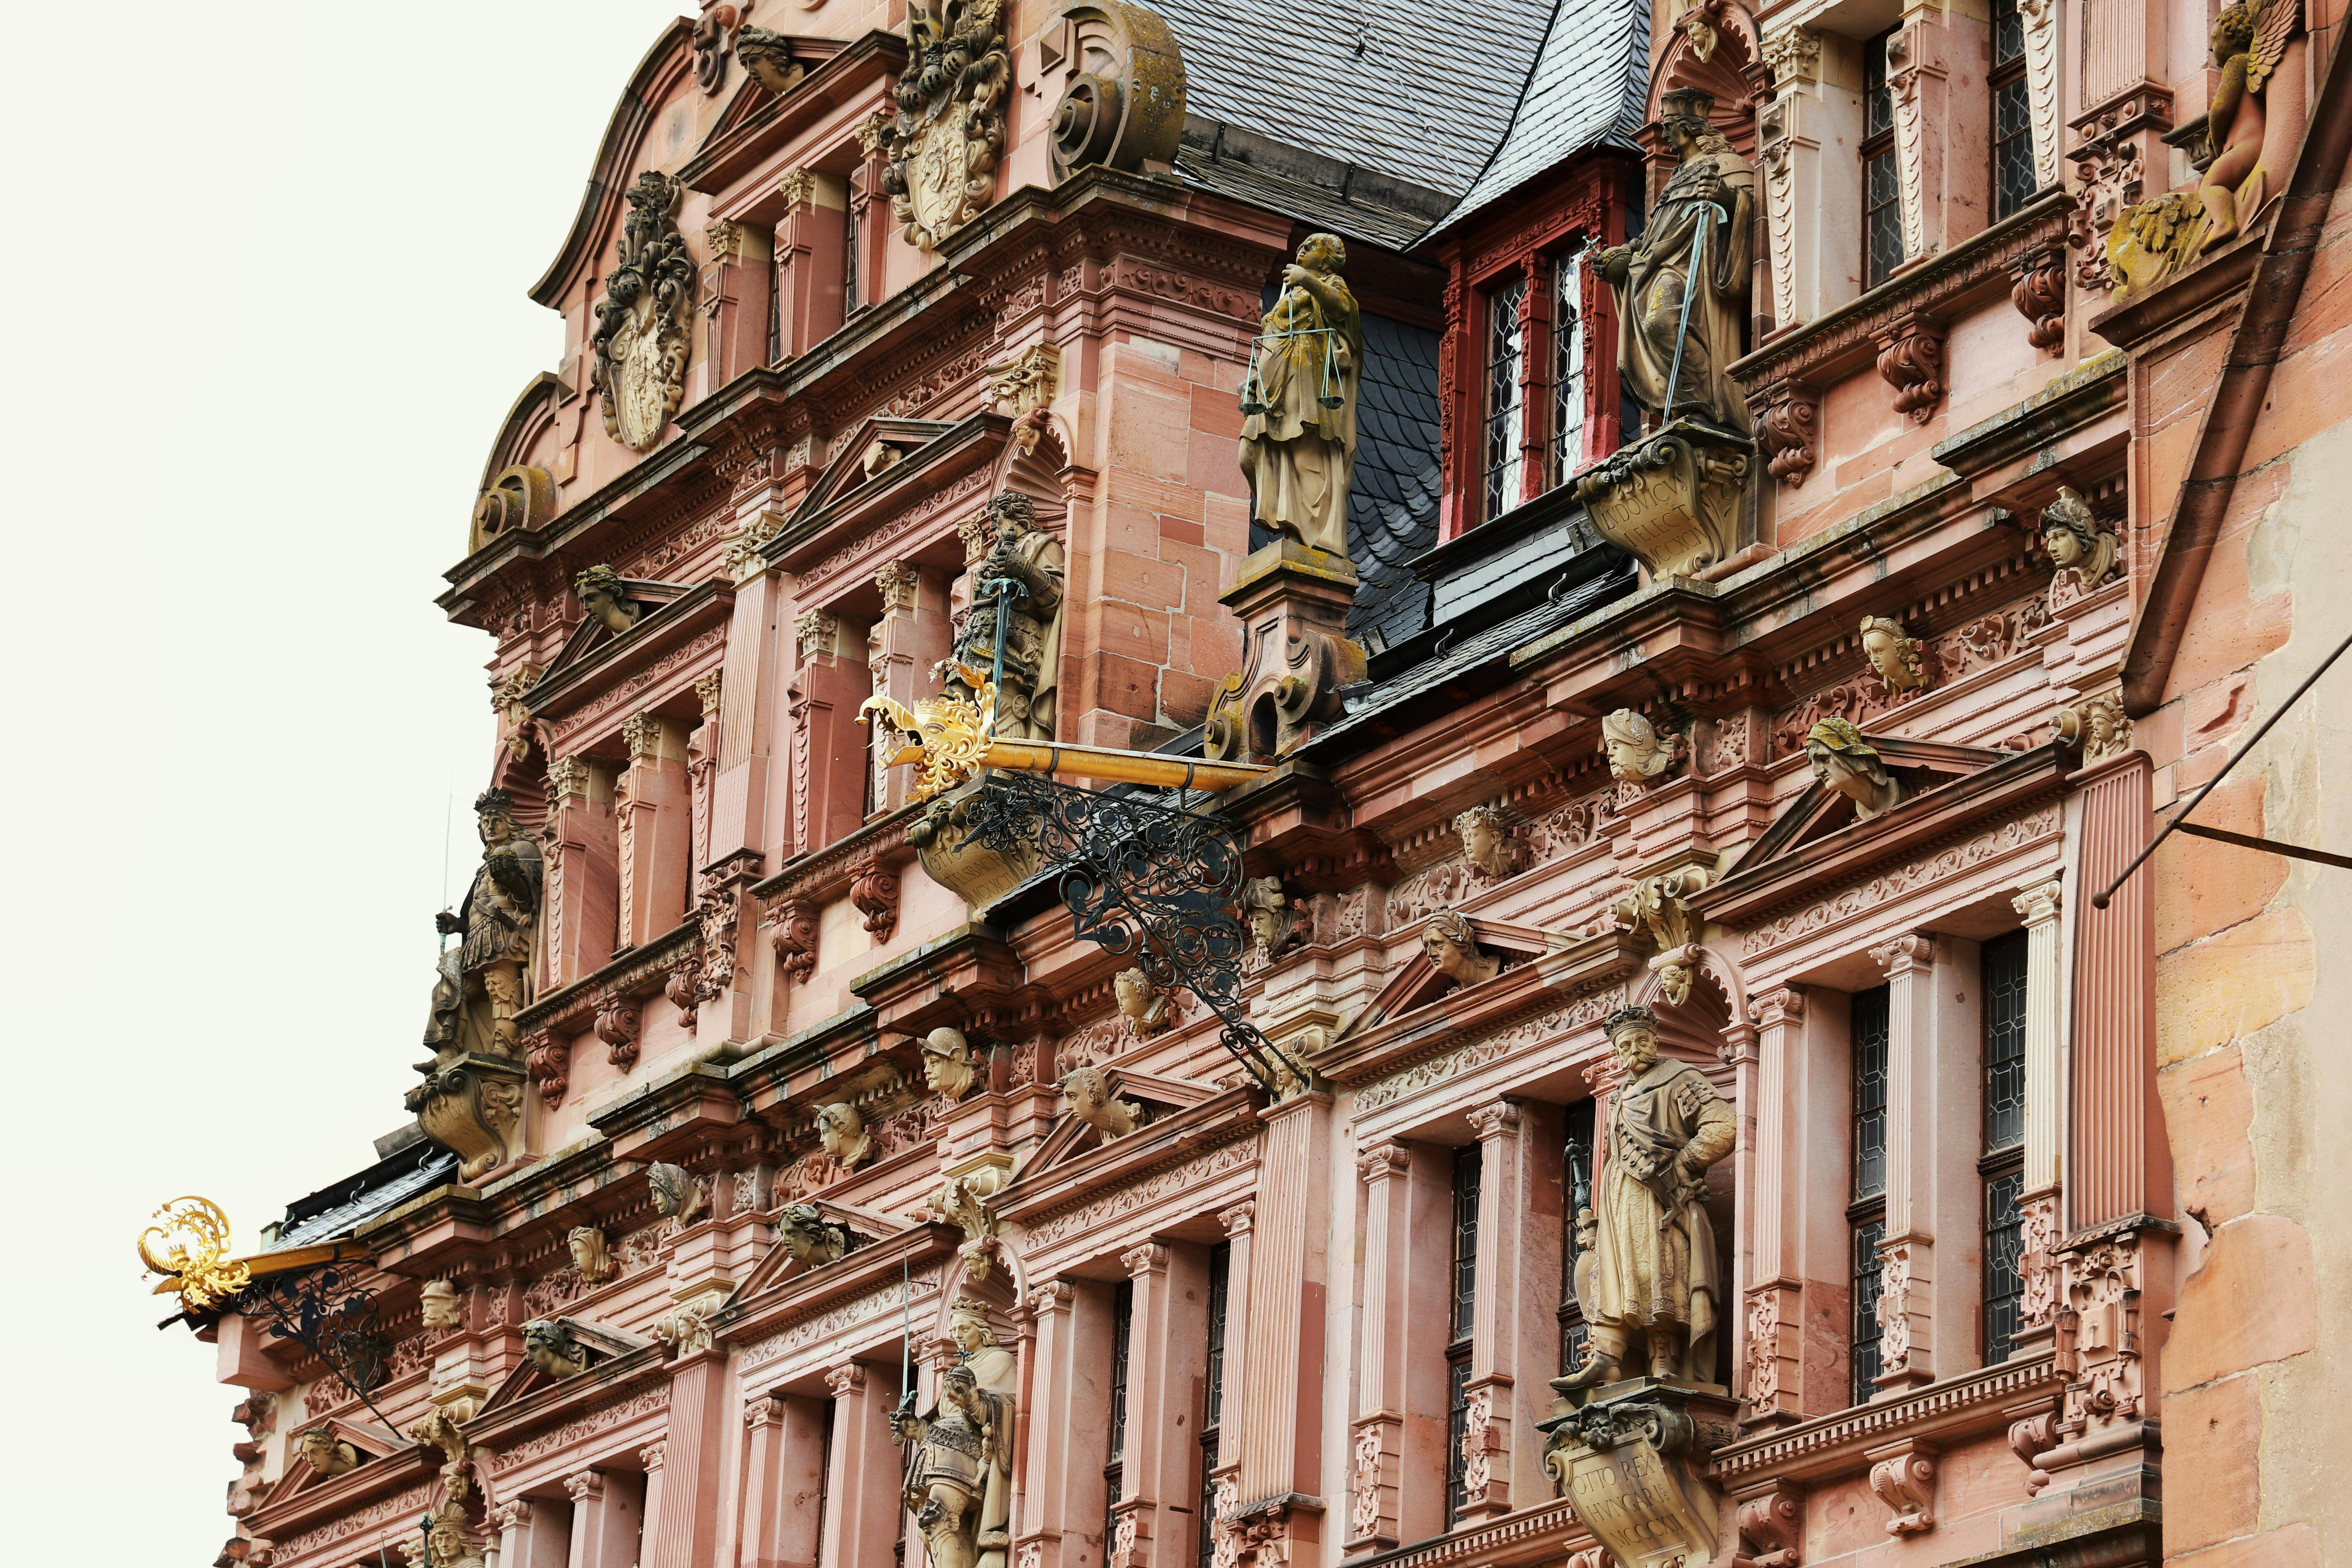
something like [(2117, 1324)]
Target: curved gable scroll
[(663, 73), (1715, 49)]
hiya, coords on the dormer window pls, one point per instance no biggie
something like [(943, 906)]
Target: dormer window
[(1506, 348)]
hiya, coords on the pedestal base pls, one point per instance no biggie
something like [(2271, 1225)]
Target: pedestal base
[(1634, 1460), (1674, 499)]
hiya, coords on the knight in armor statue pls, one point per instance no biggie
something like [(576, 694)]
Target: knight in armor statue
[(1654, 1293), (484, 983), (959, 1456), (1032, 560)]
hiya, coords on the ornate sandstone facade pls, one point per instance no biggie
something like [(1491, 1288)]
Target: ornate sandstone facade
[(1721, 1091)]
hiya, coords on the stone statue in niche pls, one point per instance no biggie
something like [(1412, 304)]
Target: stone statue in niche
[(1653, 1296), (1451, 947), (2076, 543), (1147, 1009), (1299, 438), (1092, 1102), (642, 338), (1843, 762), (948, 1065), (842, 1133), (1487, 841), (589, 1254), (549, 1343), (1637, 753), (1031, 559), (488, 981), (804, 1233), (1698, 242), (437, 1305), (605, 597), (958, 1482), (1900, 660), (447, 1544)]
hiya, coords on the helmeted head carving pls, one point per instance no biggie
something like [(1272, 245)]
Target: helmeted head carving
[(1633, 1036), (947, 1065), (439, 1304), (1637, 753), (1273, 918), (677, 1196), (2075, 541), (589, 1253), (1452, 946), (1843, 762), (843, 1132), (605, 597)]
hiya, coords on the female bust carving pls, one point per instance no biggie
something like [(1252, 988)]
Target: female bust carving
[(1843, 762)]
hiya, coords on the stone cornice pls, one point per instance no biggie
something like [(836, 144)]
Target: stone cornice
[(1962, 1406), (2095, 388), (635, 972), (669, 1115), (1544, 1531), (763, 1079), (1972, 272), (817, 878), (733, 153), (601, 672), (1038, 1196)]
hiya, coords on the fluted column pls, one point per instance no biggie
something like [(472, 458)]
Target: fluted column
[(1518, 1247), (1908, 1271), (608, 1518), (1772, 1377), (1166, 1343), (534, 1534), (1282, 1401), (2046, 1087), (1377, 1438), (1062, 1505), (683, 1503)]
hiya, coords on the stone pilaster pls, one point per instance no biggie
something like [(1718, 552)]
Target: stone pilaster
[(1376, 1477), (684, 1507), (863, 1514), (2045, 1023), (1063, 1507), (534, 1534), (1514, 1344), (652, 829), (608, 1518), (1773, 1371), (1279, 1481), (1153, 1518), (1907, 1348), (582, 870)]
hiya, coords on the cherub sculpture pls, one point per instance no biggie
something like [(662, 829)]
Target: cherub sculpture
[(2248, 40)]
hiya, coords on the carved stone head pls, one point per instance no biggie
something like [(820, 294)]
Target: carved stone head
[(607, 599), (549, 1343), (677, 1196), (803, 1233), (494, 815), (967, 1326), (438, 1304), (960, 1391), (843, 1132), (589, 1253), (1637, 753), (1323, 253), (2075, 541), (1091, 1101), (1843, 761), (1014, 514), (948, 1067), (1633, 1036), (1140, 1003), (1273, 922), (325, 1453), (1486, 840), (1898, 660), (1686, 113), (1452, 946)]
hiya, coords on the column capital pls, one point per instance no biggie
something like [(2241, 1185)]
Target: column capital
[(761, 1413), (1238, 1219), (2037, 903), (1150, 1258), (1905, 955), (511, 1515), (1382, 1159), (1493, 1121), (1053, 1296), (653, 1454), (844, 1381), (586, 1485), (1781, 1008)]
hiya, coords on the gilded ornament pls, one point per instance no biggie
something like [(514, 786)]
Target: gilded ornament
[(190, 1249)]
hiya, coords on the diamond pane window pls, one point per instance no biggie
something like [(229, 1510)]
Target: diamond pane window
[(2004, 1042), (1870, 1031), (1505, 346), (2004, 1279), (1862, 1347), (1567, 368)]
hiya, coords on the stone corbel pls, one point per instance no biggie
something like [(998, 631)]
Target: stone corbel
[(2040, 296), (618, 1022), (1787, 427), (473, 1107), (793, 934), (548, 1058), (1911, 359), (1673, 500), (1772, 1526), (874, 888), (1904, 1476)]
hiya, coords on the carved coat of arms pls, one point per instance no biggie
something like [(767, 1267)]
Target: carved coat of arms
[(949, 129), (642, 335)]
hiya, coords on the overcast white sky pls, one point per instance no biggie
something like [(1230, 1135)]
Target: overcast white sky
[(266, 264)]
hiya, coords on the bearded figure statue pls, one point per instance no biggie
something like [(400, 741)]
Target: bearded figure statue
[(1655, 1294), (1020, 579), (476, 998), (959, 1481)]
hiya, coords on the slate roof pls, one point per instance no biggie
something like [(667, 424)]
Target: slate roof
[(1316, 207), (1590, 88), (1410, 91), (338, 1210)]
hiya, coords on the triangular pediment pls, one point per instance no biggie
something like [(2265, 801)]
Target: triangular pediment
[(369, 1441), (752, 98), (1417, 982), (592, 636), (866, 1228), (602, 1344), (847, 473), (1160, 1096), (1921, 767)]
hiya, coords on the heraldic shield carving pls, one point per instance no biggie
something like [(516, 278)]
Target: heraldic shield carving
[(949, 129), (641, 327)]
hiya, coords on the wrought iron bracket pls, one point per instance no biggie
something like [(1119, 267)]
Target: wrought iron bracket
[(332, 1319), (1139, 879)]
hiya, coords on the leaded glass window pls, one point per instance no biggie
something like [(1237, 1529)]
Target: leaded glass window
[(2004, 1277), (1122, 1327), (1567, 368), (1861, 1352), (2002, 1165), (2012, 118), (1882, 206), (1466, 1171), (1505, 348), (1212, 1403), (1870, 1033)]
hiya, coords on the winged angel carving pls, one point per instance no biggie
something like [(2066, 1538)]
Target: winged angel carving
[(2159, 239)]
